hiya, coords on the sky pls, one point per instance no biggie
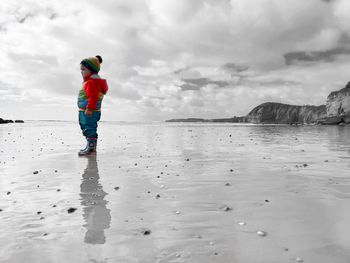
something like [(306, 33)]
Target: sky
[(167, 59)]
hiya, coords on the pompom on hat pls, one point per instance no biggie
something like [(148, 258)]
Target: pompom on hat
[(93, 64)]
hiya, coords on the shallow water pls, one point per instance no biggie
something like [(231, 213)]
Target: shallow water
[(187, 186)]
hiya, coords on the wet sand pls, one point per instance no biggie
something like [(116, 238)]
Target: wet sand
[(175, 193)]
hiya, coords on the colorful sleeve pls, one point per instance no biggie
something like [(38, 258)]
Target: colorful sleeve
[(91, 95)]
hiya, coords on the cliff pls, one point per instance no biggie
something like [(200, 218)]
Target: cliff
[(338, 105), (271, 112)]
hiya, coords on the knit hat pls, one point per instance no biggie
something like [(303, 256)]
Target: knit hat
[(92, 64)]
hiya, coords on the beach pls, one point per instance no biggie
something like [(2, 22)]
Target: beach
[(175, 192)]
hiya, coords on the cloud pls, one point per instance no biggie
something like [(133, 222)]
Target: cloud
[(196, 84), (315, 56)]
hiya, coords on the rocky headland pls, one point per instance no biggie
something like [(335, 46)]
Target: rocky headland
[(335, 112), (271, 112)]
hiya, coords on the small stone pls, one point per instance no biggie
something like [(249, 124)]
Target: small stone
[(116, 188), (305, 164), (39, 212), (146, 232), (187, 159), (56, 171), (35, 172), (267, 201), (211, 243), (299, 260), (242, 223), (71, 210), (177, 212), (231, 170), (58, 190), (227, 184), (227, 208), (158, 196), (261, 233), (8, 193)]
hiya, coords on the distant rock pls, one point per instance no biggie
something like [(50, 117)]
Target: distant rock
[(278, 113), (2, 121)]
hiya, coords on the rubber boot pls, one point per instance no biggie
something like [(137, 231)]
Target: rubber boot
[(86, 147), (89, 149)]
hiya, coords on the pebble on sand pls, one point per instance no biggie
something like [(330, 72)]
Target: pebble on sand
[(146, 232), (261, 233), (227, 208), (71, 210), (116, 188), (35, 172), (299, 260), (242, 223)]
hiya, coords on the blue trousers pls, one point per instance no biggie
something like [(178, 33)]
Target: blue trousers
[(88, 124)]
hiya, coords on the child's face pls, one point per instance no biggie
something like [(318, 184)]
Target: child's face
[(84, 71)]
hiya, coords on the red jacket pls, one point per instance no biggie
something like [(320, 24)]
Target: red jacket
[(92, 92)]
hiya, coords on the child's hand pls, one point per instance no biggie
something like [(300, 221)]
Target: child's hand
[(88, 112)]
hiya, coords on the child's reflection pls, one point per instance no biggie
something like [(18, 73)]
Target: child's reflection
[(95, 212)]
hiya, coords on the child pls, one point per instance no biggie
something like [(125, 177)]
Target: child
[(89, 101)]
